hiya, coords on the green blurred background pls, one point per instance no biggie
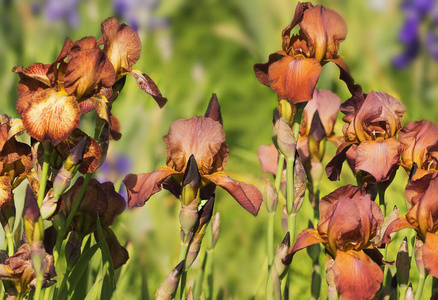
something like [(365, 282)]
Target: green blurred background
[(192, 49)]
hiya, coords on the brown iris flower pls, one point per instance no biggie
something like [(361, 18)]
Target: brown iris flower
[(420, 145), (100, 199), (349, 220), (423, 217), (15, 158), (52, 97), (203, 138), (294, 71), (372, 122)]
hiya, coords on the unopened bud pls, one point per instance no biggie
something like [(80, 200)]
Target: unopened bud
[(280, 254), (332, 293), (33, 224), (317, 137), (409, 293), (214, 110), (69, 168), (191, 181), (188, 216), (270, 196), (273, 285), (300, 183), (287, 111), (419, 257), (190, 294), (49, 206), (167, 289), (103, 142), (403, 263), (285, 139), (284, 219), (215, 227)]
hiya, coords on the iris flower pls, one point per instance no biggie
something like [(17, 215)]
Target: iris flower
[(420, 145), (203, 138), (423, 217), (349, 220), (294, 71), (372, 121)]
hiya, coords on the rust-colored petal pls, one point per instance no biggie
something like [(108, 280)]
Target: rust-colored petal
[(116, 204), (349, 191), (334, 167), (92, 154), (357, 276), (149, 86), (430, 254), (88, 70), (325, 30), (33, 77), (262, 70), (327, 104), (268, 158), (203, 137), (426, 210), (379, 158), (142, 186), (305, 239), (416, 137), (5, 190), (50, 116), (121, 43), (248, 196), (294, 79)]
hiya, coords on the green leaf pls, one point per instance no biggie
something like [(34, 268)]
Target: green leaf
[(81, 266), (108, 285)]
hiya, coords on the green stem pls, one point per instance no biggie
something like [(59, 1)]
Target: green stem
[(44, 173), (316, 281), (434, 285), (10, 239), (209, 274), (39, 284), (182, 256), (420, 286), (402, 291), (270, 238), (198, 287), (280, 167)]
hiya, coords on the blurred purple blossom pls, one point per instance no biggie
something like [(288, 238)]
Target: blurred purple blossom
[(114, 169), (418, 14), (138, 13), (55, 10)]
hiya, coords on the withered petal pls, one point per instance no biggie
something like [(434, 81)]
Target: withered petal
[(294, 79), (116, 204), (334, 167), (430, 254), (248, 196), (379, 158), (5, 190), (119, 255), (396, 225), (149, 86), (52, 116), (142, 186), (356, 275), (37, 72)]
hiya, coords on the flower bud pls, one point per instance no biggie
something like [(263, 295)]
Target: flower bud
[(190, 294), (280, 254), (103, 142), (285, 139), (317, 137), (273, 285), (284, 219), (188, 216), (332, 293), (403, 263), (215, 227), (33, 224), (419, 257), (300, 183), (287, 111), (191, 182), (69, 168), (409, 293), (167, 289), (214, 110), (270, 197)]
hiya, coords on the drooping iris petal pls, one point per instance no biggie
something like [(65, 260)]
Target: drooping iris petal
[(52, 115), (119, 255), (200, 136), (5, 190), (268, 157), (149, 86), (294, 79), (427, 209), (378, 157), (357, 276), (305, 239), (248, 196), (398, 224), (349, 191), (430, 254), (142, 186), (334, 167)]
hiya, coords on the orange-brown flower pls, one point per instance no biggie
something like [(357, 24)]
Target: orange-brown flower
[(203, 138), (349, 220), (15, 158), (372, 122), (293, 72), (100, 199), (423, 217), (420, 145)]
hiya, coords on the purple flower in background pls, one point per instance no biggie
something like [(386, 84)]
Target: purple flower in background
[(114, 169), (138, 13), (419, 13), (62, 10)]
